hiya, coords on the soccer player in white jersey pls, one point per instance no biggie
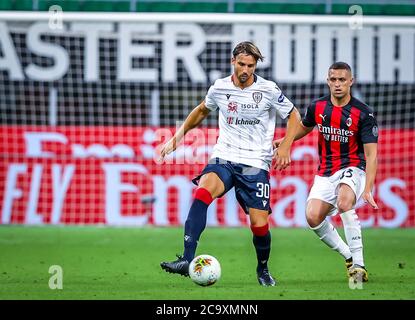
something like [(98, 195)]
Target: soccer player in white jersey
[(248, 106), (347, 144)]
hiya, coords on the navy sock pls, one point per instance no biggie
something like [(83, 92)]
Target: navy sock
[(194, 226), (263, 248)]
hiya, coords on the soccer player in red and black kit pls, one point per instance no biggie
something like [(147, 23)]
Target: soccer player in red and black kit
[(347, 146)]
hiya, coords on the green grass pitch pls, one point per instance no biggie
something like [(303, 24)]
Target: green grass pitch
[(123, 263)]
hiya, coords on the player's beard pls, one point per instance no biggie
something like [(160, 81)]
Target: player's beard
[(243, 77)]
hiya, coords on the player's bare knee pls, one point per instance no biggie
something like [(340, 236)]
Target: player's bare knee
[(344, 205), (313, 219), (259, 222), (212, 183), (258, 218), (313, 216), (346, 198)]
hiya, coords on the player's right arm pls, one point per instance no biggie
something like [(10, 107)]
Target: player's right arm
[(302, 131), (194, 118)]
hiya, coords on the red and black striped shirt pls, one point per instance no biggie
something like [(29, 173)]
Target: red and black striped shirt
[(342, 133)]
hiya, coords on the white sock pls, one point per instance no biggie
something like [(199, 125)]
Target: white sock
[(353, 233), (329, 235)]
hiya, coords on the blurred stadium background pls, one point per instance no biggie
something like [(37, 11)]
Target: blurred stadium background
[(85, 102), (88, 94)]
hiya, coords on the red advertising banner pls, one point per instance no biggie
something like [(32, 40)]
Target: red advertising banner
[(110, 175)]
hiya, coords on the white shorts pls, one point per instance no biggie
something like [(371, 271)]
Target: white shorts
[(327, 188)]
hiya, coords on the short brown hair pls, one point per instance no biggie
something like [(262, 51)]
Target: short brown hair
[(339, 65), (248, 48)]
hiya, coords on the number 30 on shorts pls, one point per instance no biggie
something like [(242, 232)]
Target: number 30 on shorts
[(263, 190)]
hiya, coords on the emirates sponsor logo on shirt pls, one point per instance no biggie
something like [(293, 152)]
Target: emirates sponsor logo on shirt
[(335, 134)]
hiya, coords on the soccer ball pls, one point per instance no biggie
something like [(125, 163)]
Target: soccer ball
[(204, 270)]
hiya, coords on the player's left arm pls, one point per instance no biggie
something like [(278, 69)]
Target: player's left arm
[(371, 154), (282, 154), (369, 137)]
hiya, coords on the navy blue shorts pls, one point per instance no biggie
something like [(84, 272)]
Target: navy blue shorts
[(252, 188)]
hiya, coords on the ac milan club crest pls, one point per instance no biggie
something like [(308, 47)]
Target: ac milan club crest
[(232, 107), (349, 122), (257, 96), (375, 131)]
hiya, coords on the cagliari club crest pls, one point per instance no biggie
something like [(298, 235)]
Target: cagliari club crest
[(257, 96)]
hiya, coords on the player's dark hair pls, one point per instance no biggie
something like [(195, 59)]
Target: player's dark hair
[(339, 65), (248, 48)]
